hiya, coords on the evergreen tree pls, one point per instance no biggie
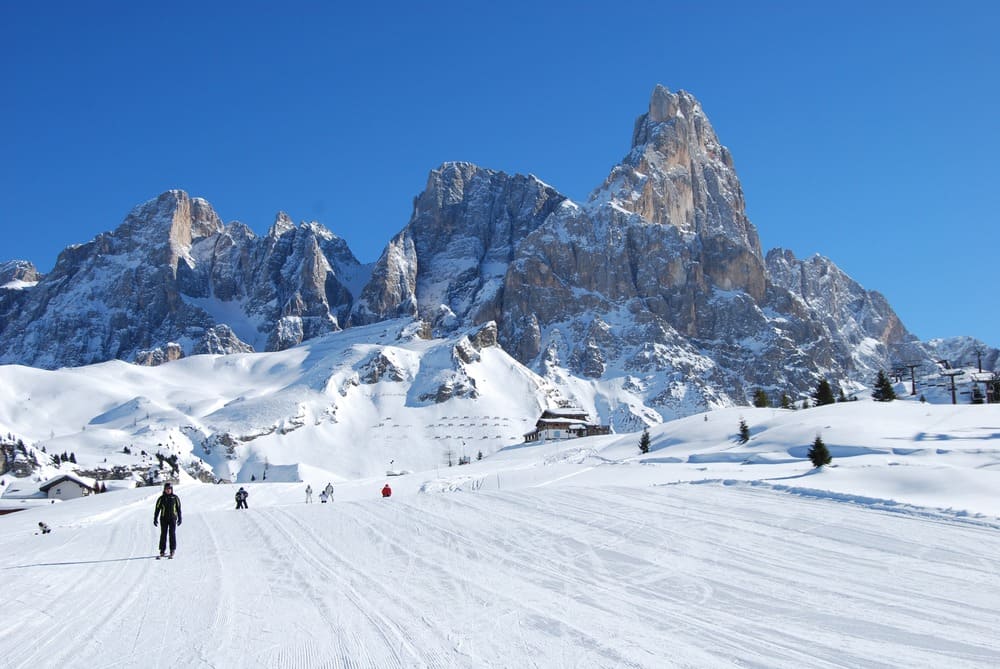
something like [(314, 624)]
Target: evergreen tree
[(479, 455), (883, 391), (644, 442), (786, 402), (819, 453), (72, 458), (805, 403), (760, 399), (841, 397), (744, 431), (823, 394)]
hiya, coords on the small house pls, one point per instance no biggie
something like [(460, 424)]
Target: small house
[(67, 486), (559, 424)]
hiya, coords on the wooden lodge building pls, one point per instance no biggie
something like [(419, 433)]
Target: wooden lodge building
[(559, 424)]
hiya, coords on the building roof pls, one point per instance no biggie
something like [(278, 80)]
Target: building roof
[(571, 412), (542, 422), (81, 481)]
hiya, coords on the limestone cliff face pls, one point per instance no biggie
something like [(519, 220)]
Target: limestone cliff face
[(860, 322), (679, 174), (164, 228), (448, 265)]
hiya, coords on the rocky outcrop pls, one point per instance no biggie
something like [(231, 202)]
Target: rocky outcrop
[(15, 274), (159, 355)]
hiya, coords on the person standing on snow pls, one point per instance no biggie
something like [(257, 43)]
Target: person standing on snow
[(329, 490), (309, 494), (241, 498), (167, 515), (386, 491)]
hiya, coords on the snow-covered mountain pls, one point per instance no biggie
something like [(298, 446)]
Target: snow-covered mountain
[(172, 280), (652, 300)]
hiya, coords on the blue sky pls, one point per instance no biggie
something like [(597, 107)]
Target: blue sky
[(863, 131)]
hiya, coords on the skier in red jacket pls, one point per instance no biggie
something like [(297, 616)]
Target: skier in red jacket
[(386, 491)]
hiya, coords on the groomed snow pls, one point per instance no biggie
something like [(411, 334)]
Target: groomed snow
[(702, 553)]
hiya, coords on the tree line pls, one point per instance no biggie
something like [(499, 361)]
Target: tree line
[(882, 391)]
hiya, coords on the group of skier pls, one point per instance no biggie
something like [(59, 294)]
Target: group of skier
[(167, 512), (325, 495)]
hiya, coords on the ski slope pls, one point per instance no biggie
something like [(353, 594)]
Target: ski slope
[(522, 562)]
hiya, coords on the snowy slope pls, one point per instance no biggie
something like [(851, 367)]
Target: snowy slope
[(702, 553), (349, 404)]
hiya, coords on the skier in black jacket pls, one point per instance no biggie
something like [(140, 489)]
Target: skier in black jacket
[(168, 516)]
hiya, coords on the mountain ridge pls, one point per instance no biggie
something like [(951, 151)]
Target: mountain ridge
[(656, 289)]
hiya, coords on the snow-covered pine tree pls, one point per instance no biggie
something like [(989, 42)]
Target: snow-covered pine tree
[(760, 399), (819, 454), (883, 391), (744, 431), (644, 442), (823, 394)]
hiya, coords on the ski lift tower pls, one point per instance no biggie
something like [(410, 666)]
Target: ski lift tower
[(911, 365), (952, 373)]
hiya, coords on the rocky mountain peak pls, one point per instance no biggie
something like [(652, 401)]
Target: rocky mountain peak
[(19, 271), (282, 224), (665, 107), (448, 264), (677, 173), (168, 225)]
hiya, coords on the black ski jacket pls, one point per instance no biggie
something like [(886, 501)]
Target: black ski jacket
[(168, 508)]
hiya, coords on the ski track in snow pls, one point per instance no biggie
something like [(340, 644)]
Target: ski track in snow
[(557, 576)]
